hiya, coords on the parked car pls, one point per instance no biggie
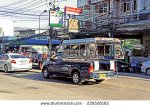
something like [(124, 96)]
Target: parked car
[(145, 68), (15, 62)]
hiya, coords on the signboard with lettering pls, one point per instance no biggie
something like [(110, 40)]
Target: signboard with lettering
[(73, 11), (56, 19), (73, 25)]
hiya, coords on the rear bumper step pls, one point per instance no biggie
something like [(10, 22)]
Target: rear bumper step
[(98, 75)]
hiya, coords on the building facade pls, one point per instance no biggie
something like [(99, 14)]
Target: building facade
[(24, 33), (120, 18)]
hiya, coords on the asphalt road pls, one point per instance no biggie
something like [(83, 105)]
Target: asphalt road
[(32, 86)]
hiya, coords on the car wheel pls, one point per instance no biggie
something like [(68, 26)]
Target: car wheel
[(98, 81), (76, 78), (148, 71), (5, 68), (45, 73)]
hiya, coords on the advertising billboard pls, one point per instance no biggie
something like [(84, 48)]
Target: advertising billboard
[(73, 25), (73, 11), (56, 19)]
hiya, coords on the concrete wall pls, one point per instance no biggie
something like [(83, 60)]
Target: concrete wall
[(81, 3), (140, 5), (25, 33), (146, 40)]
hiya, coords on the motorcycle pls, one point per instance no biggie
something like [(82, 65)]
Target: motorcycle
[(135, 66)]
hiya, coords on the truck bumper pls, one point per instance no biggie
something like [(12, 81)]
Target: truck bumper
[(99, 75)]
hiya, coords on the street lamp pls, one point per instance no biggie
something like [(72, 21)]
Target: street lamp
[(39, 19)]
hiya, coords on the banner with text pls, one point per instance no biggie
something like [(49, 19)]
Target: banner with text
[(73, 11)]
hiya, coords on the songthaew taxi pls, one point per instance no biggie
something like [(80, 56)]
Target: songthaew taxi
[(85, 59)]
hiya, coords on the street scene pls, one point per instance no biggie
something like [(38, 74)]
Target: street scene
[(75, 50), (32, 86)]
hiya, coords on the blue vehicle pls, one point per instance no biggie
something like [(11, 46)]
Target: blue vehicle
[(135, 66)]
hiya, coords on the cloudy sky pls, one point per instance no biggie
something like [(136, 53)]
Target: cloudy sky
[(25, 13)]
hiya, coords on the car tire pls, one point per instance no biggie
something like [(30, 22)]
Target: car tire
[(98, 81), (148, 71), (5, 68), (46, 74), (76, 79)]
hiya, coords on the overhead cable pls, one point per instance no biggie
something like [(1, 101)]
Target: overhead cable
[(14, 3)]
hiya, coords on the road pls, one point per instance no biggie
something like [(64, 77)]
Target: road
[(32, 86)]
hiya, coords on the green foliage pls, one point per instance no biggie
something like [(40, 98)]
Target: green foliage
[(130, 43)]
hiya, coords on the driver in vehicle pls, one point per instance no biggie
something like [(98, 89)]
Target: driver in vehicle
[(56, 58)]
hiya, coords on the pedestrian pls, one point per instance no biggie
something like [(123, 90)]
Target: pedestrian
[(44, 57), (129, 55), (126, 57)]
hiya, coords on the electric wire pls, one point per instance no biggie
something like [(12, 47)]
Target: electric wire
[(23, 4), (14, 3), (27, 7), (27, 17), (4, 13), (25, 10), (22, 11), (19, 13)]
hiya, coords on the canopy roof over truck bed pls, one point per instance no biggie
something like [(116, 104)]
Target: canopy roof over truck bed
[(99, 40)]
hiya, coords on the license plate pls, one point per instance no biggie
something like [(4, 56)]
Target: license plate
[(102, 76), (23, 62)]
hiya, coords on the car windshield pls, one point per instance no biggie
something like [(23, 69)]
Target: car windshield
[(17, 56)]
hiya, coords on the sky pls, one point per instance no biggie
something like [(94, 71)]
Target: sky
[(29, 8)]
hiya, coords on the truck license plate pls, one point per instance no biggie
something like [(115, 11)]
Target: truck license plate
[(102, 76)]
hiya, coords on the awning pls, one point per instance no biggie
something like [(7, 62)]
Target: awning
[(16, 43), (40, 42)]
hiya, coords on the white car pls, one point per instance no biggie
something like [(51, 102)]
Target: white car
[(15, 62), (146, 67)]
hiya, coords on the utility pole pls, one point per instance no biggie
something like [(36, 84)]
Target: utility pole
[(50, 34), (2, 37), (53, 8)]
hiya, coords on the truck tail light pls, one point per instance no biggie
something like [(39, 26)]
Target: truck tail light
[(13, 61), (91, 68), (115, 67), (30, 61)]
